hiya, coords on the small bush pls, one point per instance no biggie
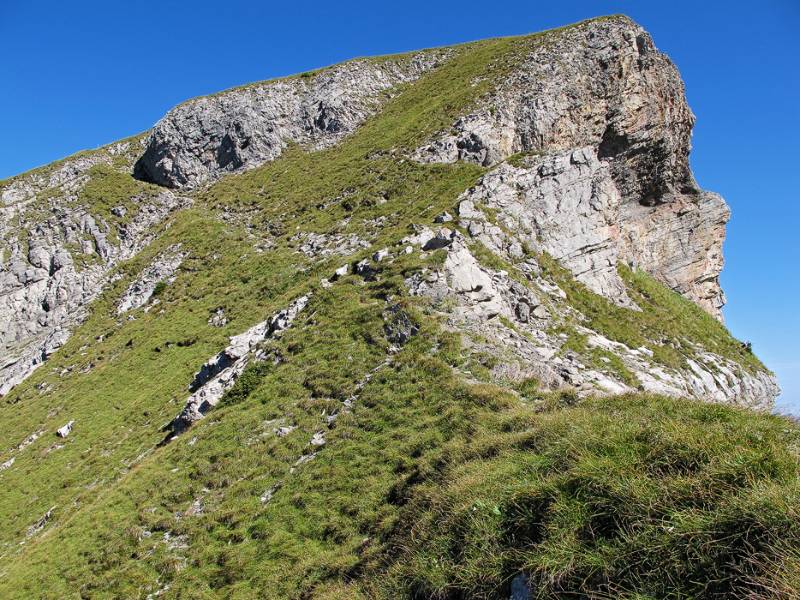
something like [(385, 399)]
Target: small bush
[(159, 289)]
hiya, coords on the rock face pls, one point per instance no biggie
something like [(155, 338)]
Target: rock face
[(220, 372), (533, 346), (162, 270), (243, 128), (568, 205), (610, 109), (584, 143), (57, 257)]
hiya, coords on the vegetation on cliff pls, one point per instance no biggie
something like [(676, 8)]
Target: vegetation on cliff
[(374, 451)]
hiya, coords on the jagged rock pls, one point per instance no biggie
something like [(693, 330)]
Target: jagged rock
[(540, 312), (161, 270), (380, 255), (604, 88), (443, 238), (44, 288), (535, 350), (65, 430), (421, 237), (398, 325), (218, 318), (317, 245), (285, 430), (219, 373), (30, 439), (41, 523), (566, 205), (245, 127), (445, 217), (467, 278), (523, 311), (268, 494), (602, 83), (341, 271)]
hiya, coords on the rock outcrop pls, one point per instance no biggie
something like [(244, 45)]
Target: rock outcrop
[(220, 372), (568, 205), (246, 127), (161, 271), (601, 95), (58, 255), (527, 342)]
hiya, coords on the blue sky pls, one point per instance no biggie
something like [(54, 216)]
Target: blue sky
[(81, 74)]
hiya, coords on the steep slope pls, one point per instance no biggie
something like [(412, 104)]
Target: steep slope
[(341, 334)]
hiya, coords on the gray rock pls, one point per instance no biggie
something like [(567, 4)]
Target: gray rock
[(523, 312), (220, 372), (604, 88), (532, 348), (65, 430), (316, 245), (285, 430), (540, 312), (218, 318), (398, 325), (245, 127), (44, 288), (568, 205), (161, 270), (380, 255), (443, 238)]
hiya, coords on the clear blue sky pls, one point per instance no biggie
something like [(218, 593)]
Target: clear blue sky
[(81, 74)]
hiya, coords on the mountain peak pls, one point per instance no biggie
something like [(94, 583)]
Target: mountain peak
[(274, 324)]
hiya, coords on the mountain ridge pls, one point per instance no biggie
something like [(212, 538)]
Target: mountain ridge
[(434, 227)]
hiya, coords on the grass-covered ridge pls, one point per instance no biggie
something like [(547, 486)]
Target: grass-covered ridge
[(628, 497), (431, 486), (669, 325)]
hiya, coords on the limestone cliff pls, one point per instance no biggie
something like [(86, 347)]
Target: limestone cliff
[(584, 140), (443, 324), (245, 127), (60, 249), (605, 89)]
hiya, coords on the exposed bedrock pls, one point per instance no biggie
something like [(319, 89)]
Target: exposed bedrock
[(246, 127), (568, 205), (602, 89), (57, 257)]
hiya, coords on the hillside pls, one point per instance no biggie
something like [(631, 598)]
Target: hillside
[(436, 325)]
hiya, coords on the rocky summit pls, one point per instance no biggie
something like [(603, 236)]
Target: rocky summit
[(444, 324)]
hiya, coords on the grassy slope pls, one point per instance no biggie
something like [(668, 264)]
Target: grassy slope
[(474, 467)]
